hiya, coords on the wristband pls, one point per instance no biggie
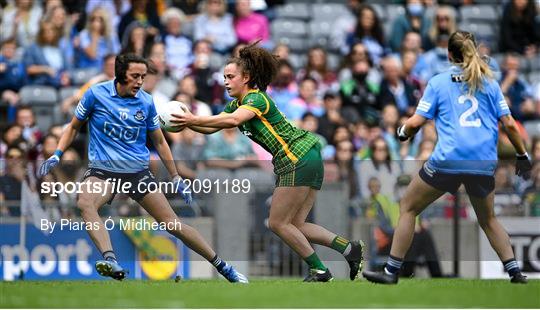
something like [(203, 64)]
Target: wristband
[(522, 155), (58, 153)]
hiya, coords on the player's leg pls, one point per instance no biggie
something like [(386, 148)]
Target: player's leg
[(417, 197), (497, 236), (89, 203), (286, 201), (157, 205), (352, 251)]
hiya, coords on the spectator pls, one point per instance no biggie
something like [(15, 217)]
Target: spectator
[(250, 26), (150, 86), (413, 19), (27, 120), (369, 31), (360, 94), (531, 196), (189, 7), (435, 60), (188, 86), (284, 87), (44, 60), (21, 21), (389, 125), (334, 115), (144, 13), (65, 27), (48, 146), (177, 46), (395, 89), (69, 171), (196, 107), (360, 133), (517, 89), (204, 74), (310, 123), (358, 52), (115, 8), (317, 69), (229, 149), (520, 28), (96, 40), (12, 137), (444, 22), (12, 76), (107, 74), (11, 182), (137, 40), (282, 50), (380, 165), (157, 55), (188, 146), (307, 101), (408, 63), (345, 165), (215, 25), (535, 150)]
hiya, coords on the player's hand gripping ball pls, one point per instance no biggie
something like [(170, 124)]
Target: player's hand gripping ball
[(165, 113)]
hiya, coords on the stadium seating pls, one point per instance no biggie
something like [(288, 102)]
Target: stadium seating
[(43, 100), (167, 87), (81, 76), (329, 11), (478, 13), (294, 10)]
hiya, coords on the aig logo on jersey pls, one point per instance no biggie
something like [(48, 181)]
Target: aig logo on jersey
[(127, 134)]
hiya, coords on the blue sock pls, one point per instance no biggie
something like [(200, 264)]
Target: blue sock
[(218, 263), (511, 266), (393, 265)]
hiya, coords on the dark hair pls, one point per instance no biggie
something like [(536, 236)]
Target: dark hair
[(308, 114), (258, 63), (121, 65), (10, 40), (462, 46), (110, 55), (387, 160), (376, 31)]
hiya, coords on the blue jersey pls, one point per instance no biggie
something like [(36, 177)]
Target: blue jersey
[(467, 125), (117, 127)]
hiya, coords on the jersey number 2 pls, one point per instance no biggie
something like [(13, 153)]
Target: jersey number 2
[(463, 121)]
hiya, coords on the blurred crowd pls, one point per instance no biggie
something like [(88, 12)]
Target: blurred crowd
[(353, 88)]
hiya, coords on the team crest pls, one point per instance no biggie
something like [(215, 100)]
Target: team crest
[(139, 115)]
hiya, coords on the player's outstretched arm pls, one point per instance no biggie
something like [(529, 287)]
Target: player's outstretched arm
[(411, 127), (69, 134), (523, 162), (204, 130), (223, 120)]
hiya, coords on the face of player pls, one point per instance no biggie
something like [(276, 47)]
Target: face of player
[(135, 75), (235, 80)]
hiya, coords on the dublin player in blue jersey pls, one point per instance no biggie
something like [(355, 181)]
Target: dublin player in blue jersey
[(466, 104), (120, 116)]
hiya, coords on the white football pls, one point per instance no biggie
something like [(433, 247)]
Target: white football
[(165, 112)]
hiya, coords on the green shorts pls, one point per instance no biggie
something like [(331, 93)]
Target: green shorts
[(308, 171)]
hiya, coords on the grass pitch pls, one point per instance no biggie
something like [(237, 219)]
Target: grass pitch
[(290, 293)]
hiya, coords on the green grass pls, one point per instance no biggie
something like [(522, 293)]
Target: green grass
[(291, 293)]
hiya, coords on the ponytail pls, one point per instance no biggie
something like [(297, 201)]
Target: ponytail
[(464, 52)]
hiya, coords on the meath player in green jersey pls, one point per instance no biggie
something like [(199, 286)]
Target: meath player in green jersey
[(296, 157)]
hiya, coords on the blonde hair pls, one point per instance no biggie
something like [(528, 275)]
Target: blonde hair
[(463, 50), (101, 12), (443, 10)]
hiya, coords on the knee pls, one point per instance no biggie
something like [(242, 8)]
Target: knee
[(86, 205), (275, 225)]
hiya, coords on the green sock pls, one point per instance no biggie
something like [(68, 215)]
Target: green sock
[(314, 262), (339, 244)]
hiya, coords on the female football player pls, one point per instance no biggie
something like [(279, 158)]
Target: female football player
[(120, 116), (466, 104), (296, 158)]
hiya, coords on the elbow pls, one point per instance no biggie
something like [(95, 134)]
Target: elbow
[(233, 122)]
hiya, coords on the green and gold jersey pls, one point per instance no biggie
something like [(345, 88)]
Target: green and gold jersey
[(271, 130)]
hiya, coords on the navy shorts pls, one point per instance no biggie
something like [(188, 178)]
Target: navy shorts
[(475, 184), (133, 190)]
